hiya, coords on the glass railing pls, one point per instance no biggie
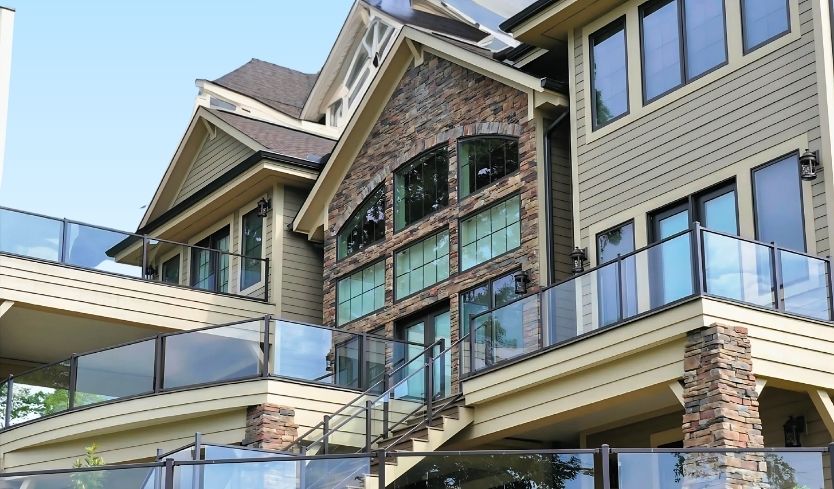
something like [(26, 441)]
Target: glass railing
[(208, 356), (127, 254), (692, 263)]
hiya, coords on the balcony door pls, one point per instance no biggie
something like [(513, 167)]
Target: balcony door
[(420, 332), (210, 262)]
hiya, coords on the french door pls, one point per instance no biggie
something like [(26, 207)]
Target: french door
[(210, 263), (420, 332)]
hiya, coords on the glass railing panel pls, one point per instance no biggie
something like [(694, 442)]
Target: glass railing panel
[(738, 270), (564, 471), (788, 470), (166, 260), (346, 362), (4, 392), (289, 474), (99, 249), (112, 478), (213, 355), (216, 452), (805, 285), (40, 392), (375, 360), (507, 332), (303, 352), (29, 235), (115, 373), (409, 371), (442, 371), (662, 274)]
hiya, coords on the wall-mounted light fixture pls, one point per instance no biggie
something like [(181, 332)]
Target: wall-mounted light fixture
[(808, 164), (794, 427), (150, 271), (522, 280), (264, 206), (578, 255)]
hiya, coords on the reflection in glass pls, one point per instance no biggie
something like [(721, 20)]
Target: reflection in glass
[(364, 227), (40, 392), (763, 20), (421, 187), (778, 199), (118, 372), (138, 478), (93, 248), (485, 160), (705, 36), (720, 213), (805, 285), (661, 48), (738, 270), (611, 244), (302, 352), (503, 333), (30, 236), (609, 80)]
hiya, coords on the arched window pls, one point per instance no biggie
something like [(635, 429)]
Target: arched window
[(365, 227)]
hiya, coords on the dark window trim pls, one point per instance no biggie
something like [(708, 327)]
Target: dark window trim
[(610, 29), (693, 203), (685, 79), (745, 50), (209, 239), (622, 224), (178, 258), (475, 213), (348, 274), (801, 198), (243, 258), (353, 214), (411, 243), (462, 198), (436, 147)]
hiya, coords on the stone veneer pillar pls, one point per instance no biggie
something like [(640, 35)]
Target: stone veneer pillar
[(270, 426), (721, 410)]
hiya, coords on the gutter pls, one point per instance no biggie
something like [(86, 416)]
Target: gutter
[(526, 14)]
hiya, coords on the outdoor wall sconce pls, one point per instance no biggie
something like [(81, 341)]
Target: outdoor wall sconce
[(578, 255), (150, 271), (808, 163), (264, 206), (522, 279), (794, 427)]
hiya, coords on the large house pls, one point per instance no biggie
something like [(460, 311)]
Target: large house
[(551, 226)]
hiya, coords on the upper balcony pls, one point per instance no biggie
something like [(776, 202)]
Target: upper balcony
[(78, 268)]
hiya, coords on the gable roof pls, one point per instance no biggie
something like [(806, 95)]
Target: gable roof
[(279, 139), (278, 87)]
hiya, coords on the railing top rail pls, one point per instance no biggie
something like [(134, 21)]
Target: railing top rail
[(294, 458), (30, 213), (144, 465), (344, 331), (722, 450), (470, 453), (763, 243)]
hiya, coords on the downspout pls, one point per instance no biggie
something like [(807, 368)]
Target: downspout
[(548, 189)]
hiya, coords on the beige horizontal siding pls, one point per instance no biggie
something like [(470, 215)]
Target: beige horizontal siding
[(217, 156), (301, 268)]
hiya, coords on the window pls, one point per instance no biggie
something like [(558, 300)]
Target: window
[(763, 21), (484, 161), (250, 273), (486, 296), (421, 187), (422, 264), (680, 40), (489, 233), (210, 262), (777, 194), (171, 270), (365, 227), (360, 293), (715, 208), (609, 74)]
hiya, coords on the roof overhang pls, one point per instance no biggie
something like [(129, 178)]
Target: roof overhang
[(408, 48), (547, 22)]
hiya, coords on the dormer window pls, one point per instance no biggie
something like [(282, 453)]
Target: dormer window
[(366, 59)]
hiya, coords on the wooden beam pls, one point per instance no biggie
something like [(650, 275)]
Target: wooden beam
[(825, 408), (5, 306), (760, 385), (677, 390)]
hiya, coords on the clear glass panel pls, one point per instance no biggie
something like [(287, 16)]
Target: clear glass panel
[(346, 362), (738, 270), (706, 45), (661, 49), (763, 20), (805, 285), (213, 355), (562, 471), (443, 359), (115, 478), (610, 76), (40, 392), (670, 271), (101, 249), (375, 360), (118, 372), (304, 352), (506, 332), (30, 236), (617, 241), (607, 292), (785, 470), (778, 199)]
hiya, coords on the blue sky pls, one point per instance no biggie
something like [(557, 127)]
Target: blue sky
[(102, 91)]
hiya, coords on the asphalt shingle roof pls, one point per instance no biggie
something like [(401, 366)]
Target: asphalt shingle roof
[(280, 139), (281, 88)]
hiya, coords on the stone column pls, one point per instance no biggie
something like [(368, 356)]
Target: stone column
[(270, 426), (721, 410)]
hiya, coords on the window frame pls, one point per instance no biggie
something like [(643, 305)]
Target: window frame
[(459, 165), (753, 171), (475, 213), (442, 146), (608, 30), (685, 80), (346, 276), (262, 274), (353, 214), (408, 245), (745, 50), (629, 222), (210, 237), (170, 257), (694, 205)]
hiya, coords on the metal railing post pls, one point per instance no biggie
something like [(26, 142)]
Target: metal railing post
[(363, 370), (197, 480), (62, 251), (429, 388), (266, 279), (302, 469), (325, 439), (169, 473), (385, 404), (778, 293), (266, 345), (159, 360), (442, 368), (831, 462), (605, 459), (471, 345), (369, 407), (697, 259), (380, 461), (9, 398), (145, 273), (73, 380), (620, 295), (830, 287)]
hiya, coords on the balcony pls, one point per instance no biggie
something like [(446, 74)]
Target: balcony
[(697, 263), (181, 361), (123, 254)]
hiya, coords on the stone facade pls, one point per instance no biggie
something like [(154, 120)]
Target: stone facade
[(270, 426), (435, 103)]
